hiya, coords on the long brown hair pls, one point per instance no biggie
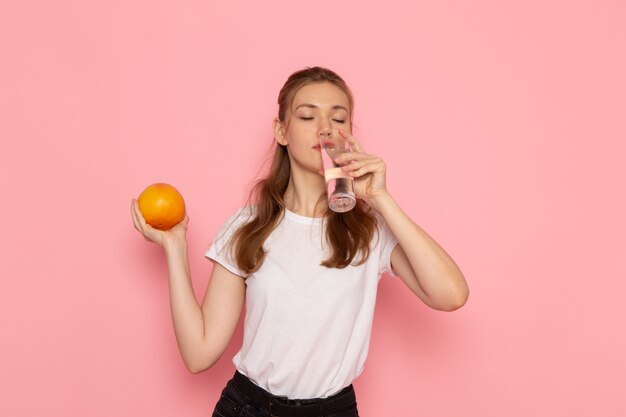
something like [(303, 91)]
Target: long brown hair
[(348, 234)]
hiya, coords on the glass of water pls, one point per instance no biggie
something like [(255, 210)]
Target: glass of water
[(339, 185)]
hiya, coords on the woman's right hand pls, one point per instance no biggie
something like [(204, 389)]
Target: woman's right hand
[(160, 237)]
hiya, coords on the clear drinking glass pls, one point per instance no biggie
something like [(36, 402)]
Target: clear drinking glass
[(339, 185)]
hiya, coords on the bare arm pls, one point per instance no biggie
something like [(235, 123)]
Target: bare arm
[(202, 332), (421, 263)]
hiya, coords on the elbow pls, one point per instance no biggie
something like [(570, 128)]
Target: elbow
[(457, 301), (451, 300), (196, 369), (202, 358), (458, 295), (452, 306), (199, 366)]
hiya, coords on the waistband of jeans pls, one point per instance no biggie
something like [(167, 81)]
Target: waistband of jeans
[(282, 406)]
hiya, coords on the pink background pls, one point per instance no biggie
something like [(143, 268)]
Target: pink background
[(503, 129)]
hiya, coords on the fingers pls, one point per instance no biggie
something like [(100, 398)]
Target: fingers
[(353, 156), (138, 220), (365, 166), (133, 214), (351, 140), (185, 221)]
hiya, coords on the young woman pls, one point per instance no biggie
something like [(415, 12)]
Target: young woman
[(308, 275)]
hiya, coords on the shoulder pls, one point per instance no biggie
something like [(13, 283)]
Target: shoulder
[(242, 215), (236, 220)]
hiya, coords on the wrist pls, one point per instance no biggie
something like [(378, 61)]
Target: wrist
[(379, 200), (174, 244)]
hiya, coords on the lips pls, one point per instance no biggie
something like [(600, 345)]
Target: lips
[(327, 144)]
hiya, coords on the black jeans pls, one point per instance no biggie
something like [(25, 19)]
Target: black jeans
[(242, 398)]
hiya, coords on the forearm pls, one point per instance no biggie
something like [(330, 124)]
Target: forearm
[(187, 315), (437, 274)]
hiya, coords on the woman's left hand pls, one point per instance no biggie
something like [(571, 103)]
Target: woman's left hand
[(368, 171)]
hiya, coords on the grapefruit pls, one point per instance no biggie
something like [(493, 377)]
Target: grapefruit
[(162, 206)]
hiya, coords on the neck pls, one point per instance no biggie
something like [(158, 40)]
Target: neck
[(305, 194)]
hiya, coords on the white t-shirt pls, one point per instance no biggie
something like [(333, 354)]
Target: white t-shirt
[(307, 327)]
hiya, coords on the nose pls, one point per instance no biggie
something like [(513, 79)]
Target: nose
[(325, 132)]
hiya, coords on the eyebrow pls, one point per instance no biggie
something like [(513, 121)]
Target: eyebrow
[(313, 106)]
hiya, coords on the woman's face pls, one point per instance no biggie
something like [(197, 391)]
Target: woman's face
[(316, 110)]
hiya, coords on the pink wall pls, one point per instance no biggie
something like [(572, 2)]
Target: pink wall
[(503, 129)]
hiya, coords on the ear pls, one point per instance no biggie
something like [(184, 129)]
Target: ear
[(279, 132)]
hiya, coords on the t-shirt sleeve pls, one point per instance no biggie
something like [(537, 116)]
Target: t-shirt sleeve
[(220, 249), (387, 242)]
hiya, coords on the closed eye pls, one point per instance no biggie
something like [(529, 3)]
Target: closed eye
[(334, 120)]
